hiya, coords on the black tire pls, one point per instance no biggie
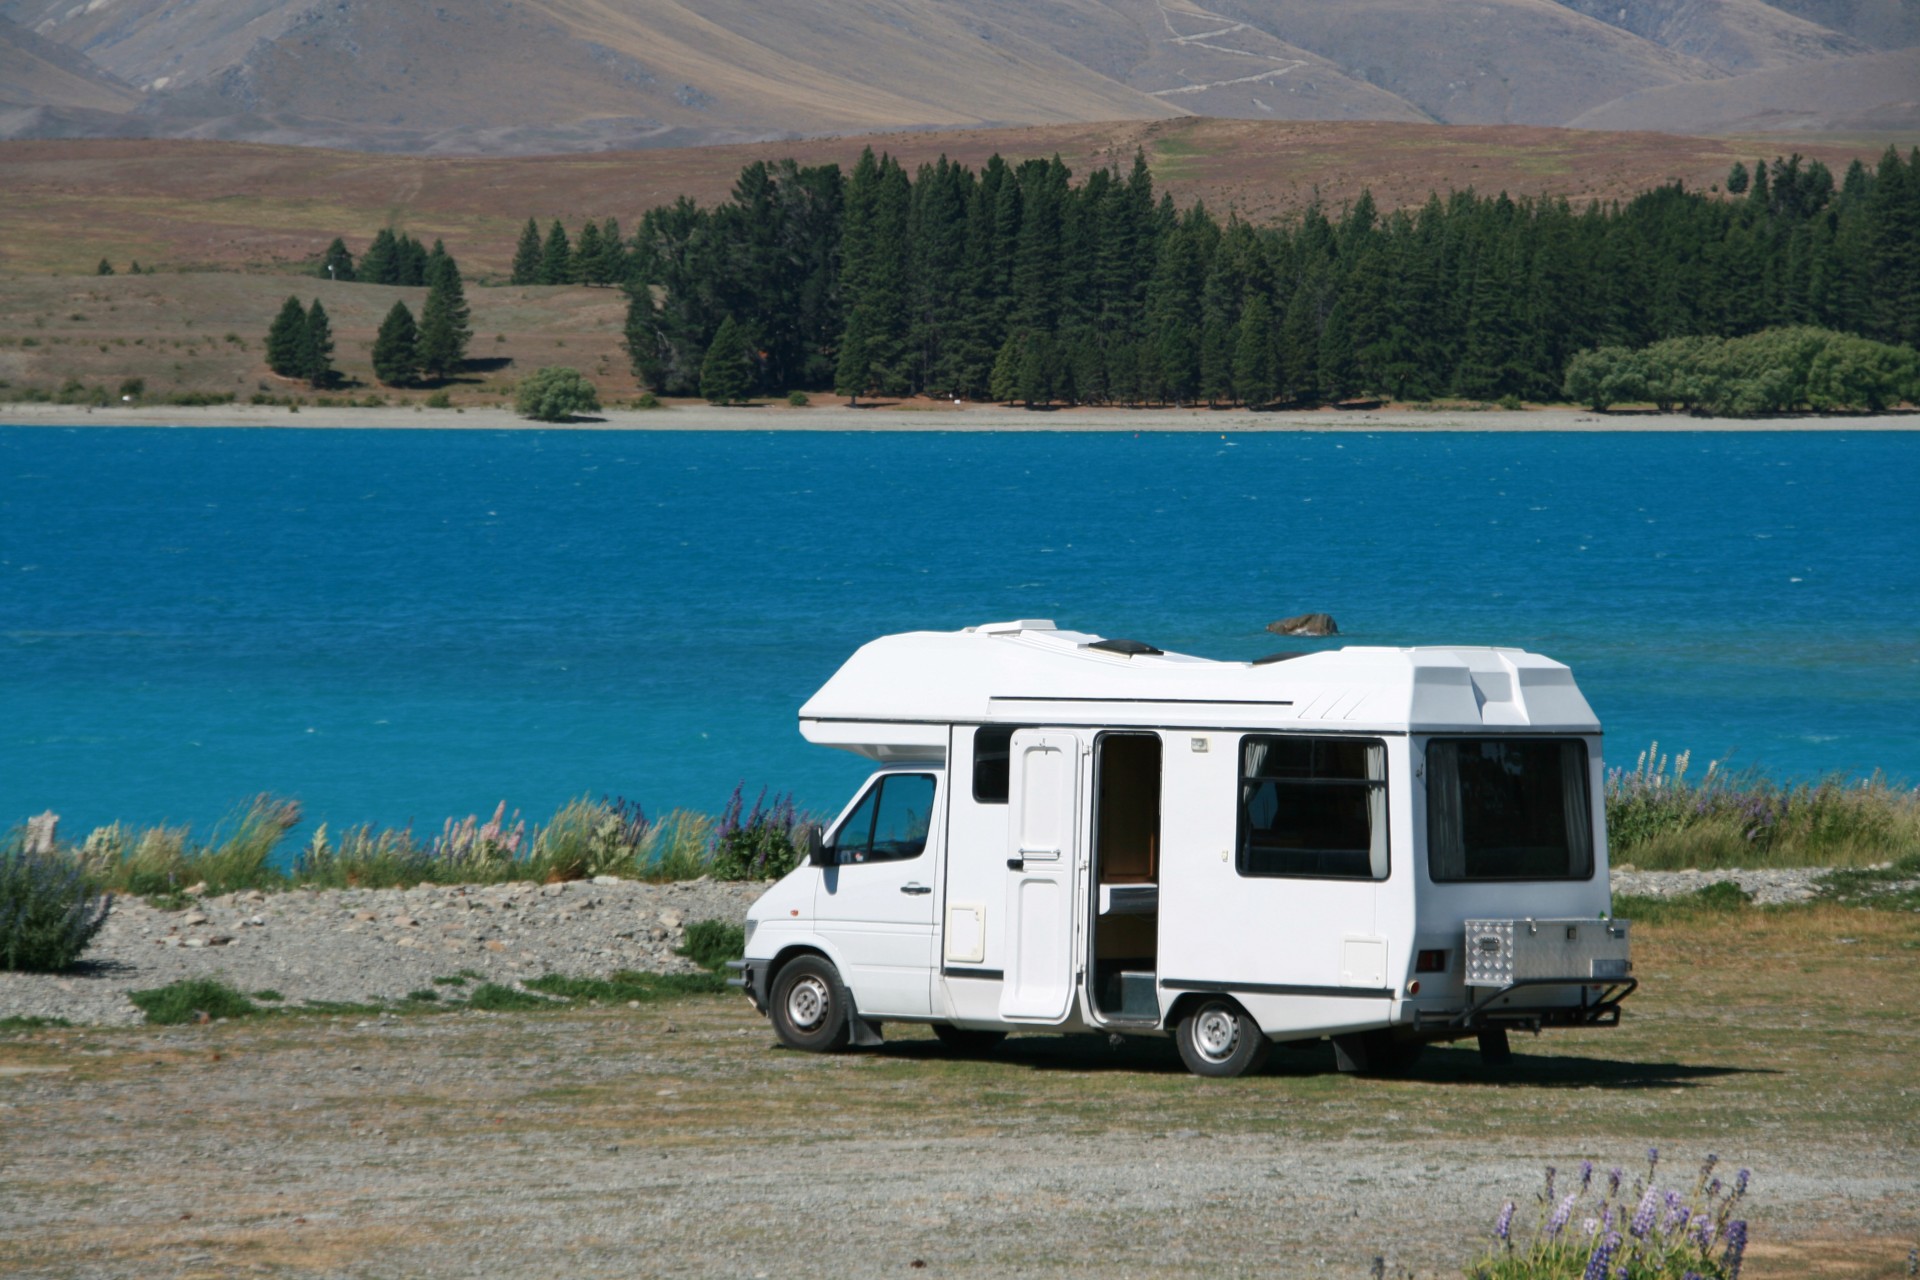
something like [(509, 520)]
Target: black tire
[(965, 1040), (1218, 1039), (808, 1005)]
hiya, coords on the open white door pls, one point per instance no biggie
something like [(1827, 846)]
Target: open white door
[(1044, 829)]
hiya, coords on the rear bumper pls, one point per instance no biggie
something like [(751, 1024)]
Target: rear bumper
[(1598, 1006)]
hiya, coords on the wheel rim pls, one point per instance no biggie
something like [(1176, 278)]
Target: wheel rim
[(807, 1003), (1216, 1032)]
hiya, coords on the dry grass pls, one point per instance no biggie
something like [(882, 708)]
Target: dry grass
[(570, 1141), (232, 205)]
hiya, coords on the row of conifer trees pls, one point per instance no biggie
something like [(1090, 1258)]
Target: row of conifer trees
[(300, 341), (1016, 283)]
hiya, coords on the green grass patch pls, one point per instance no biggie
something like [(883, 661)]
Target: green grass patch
[(269, 995), (629, 985), (1894, 888), (495, 998), (423, 994), (30, 1022), (1713, 901), (457, 980), (192, 1000)]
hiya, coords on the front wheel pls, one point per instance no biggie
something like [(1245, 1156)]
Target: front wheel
[(1217, 1038), (808, 1005)]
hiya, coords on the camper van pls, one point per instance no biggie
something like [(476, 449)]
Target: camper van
[(1381, 847)]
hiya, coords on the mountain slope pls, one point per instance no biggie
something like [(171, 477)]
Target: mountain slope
[(1876, 93), (36, 72), (1728, 35)]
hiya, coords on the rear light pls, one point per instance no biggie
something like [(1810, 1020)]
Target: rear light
[(1430, 962)]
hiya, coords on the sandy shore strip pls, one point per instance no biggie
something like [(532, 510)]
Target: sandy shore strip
[(933, 416)]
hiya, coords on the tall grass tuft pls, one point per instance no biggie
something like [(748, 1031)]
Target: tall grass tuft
[(587, 838), (677, 847), (49, 911), (1660, 819)]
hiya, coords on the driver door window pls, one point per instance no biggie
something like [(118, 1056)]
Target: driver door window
[(890, 823)]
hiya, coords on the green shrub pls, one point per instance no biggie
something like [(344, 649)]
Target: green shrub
[(192, 1000), (439, 400), (757, 845), (495, 998), (555, 394), (30, 1022), (586, 838), (49, 912), (711, 943), (135, 387), (798, 399), (628, 985), (647, 400)]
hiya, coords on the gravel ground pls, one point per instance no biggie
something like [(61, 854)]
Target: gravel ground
[(361, 945)]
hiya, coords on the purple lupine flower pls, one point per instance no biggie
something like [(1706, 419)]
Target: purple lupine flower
[(1503, 1225), (1586, 1174), (1703, 1230), (1546, 1197), (1561, 1214), (1643, 1216), (1713, 1189), (1736, 1247), (1740, 1182), (1676, 1221), (1653, 1161), (1693, 1275), (1613, 1183), (1591, 1226), (1623, 1273), (1602, 1258)]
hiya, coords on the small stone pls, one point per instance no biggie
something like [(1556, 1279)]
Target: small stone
[(217, 940), (170, 941), (194, 942), (494, 944), (192, 918), (405, 922), (606, 880), (195, 889), (366, 915)]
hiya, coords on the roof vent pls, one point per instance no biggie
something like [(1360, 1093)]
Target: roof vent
[(1125, 648), (1279, 657)]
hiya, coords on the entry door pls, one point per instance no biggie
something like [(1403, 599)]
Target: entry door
[(1043, 847), (876, 903)]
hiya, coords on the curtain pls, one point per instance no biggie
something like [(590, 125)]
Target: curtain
[(1573, 792), (1377, 809), (1446, 842)]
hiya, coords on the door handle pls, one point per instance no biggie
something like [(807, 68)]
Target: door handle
[(1016, 864), (916, 888)]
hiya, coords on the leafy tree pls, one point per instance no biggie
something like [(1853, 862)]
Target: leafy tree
[(555, 394), (396, 356), (556, 260), (445, 324), (286, 337), (316, 347), (104, 269), (528, 257), (336, 263), (726, 375)]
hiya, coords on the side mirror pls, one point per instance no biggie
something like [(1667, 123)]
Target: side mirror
[(818, 853)]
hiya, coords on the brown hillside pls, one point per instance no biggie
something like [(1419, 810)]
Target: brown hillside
[(234, 205), (1879, 92)]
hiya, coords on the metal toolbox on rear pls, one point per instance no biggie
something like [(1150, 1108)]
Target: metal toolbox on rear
[(1502, 952)]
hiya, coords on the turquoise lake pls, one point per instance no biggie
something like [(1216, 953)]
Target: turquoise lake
[(399, 626)]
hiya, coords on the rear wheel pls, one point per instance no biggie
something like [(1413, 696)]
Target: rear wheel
[(966, 1040), (1217, 1038), (808, 1006)]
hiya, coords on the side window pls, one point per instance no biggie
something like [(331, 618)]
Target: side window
[(890, 823), (1313, 807), (992, 752)]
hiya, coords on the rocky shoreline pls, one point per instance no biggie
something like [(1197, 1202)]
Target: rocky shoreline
[(358, 946)]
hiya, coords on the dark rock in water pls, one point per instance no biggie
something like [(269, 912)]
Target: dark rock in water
[(1306, 624)]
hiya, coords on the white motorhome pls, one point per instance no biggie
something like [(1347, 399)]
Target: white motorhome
[(1385, 847)]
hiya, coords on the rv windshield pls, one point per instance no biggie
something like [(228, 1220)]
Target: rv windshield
[(1508, 809)]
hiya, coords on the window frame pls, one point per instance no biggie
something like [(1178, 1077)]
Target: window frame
[(1586, 785), (1243, 822), (875, 789), (974, 747)]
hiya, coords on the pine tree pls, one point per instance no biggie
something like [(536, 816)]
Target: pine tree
[(1737, 179), (104, 269), (1217, 342), (613, 250), (527, 257), (445, 324), (285, 339), (380, 264), (726, 375), (589, 255), (336, 263), (316, 347), (1339, 370), (395, 350), (1256, 373), (556, 260), (1004, 384)]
